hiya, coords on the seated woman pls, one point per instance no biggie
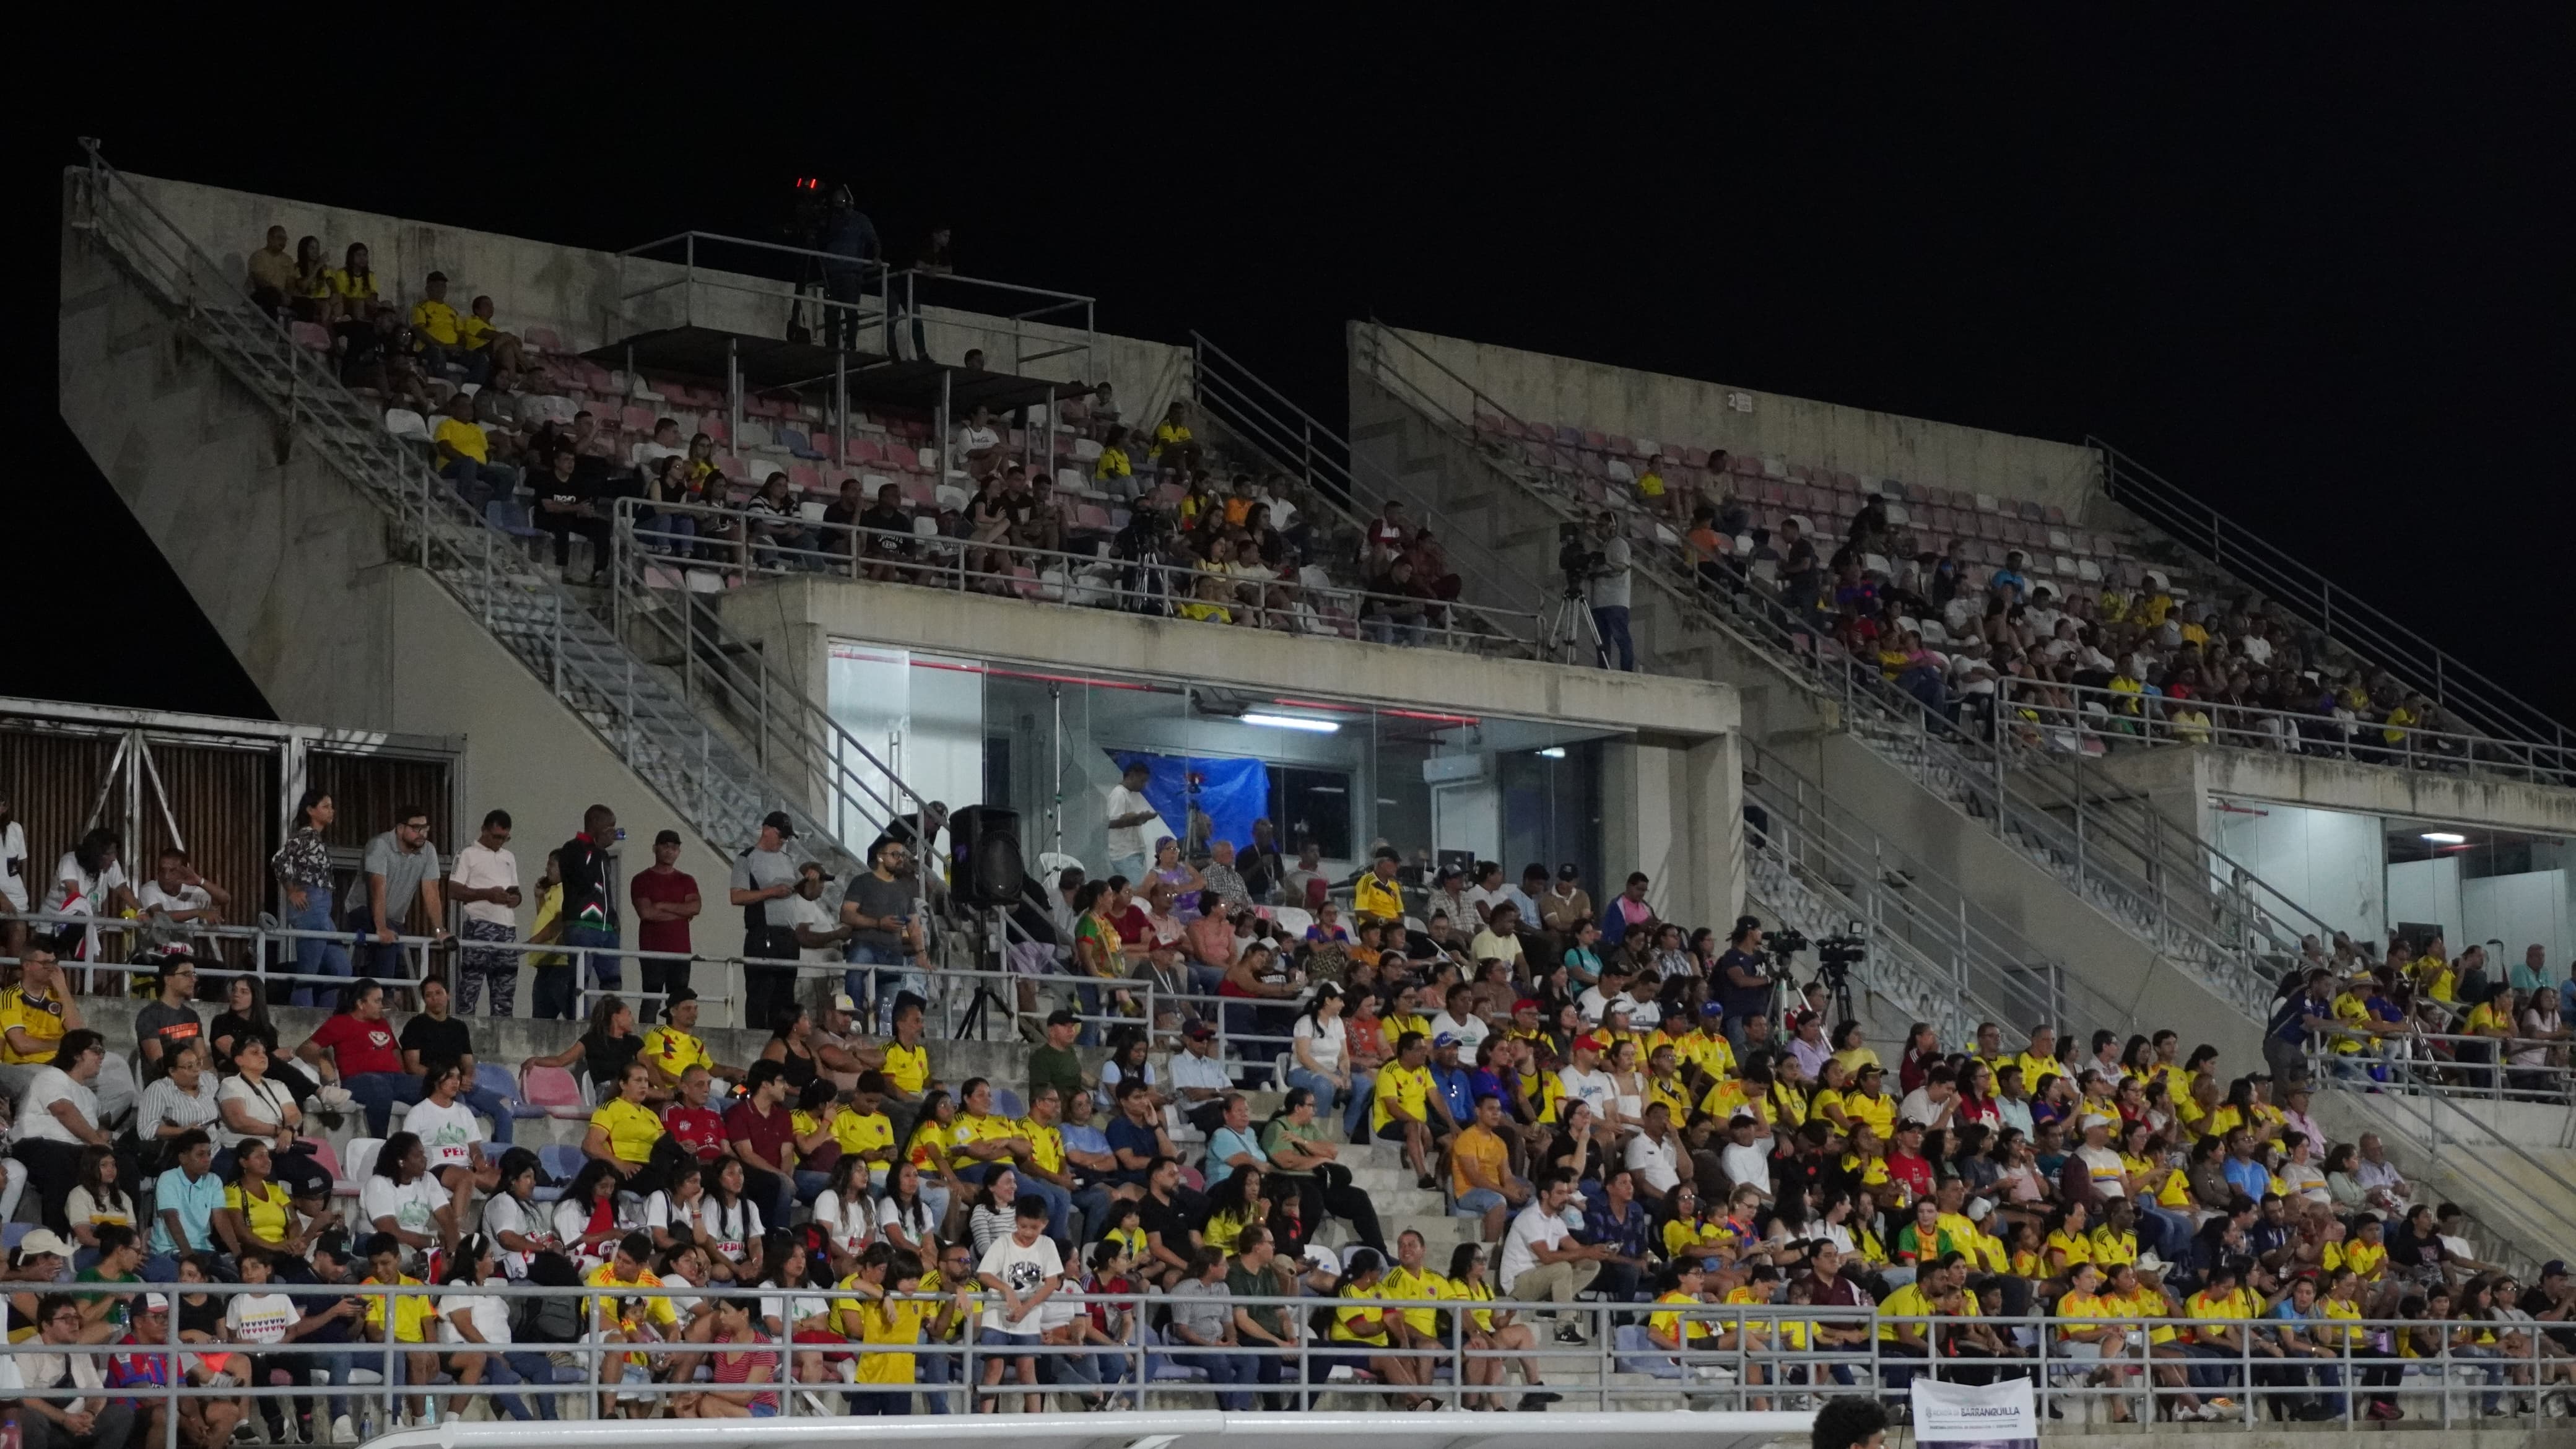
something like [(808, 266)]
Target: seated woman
[(588, 1221), (255, 1106), (259, 1214), (741, 1366), (452, 1137)]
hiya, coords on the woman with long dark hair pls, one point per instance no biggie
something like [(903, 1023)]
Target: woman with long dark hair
[(303, 869), (474, 1330)]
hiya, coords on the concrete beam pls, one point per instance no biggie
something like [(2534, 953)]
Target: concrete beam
[(795, 619), (2361, 789)]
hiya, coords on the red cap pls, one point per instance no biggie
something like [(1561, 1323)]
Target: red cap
[(1524, 1004), (1588, 1044)]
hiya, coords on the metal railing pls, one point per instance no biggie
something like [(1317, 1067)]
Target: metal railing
[(958, 1000), (2230, 549), (2444, 1064), (896, 293), (1971, 965), (1311, 451), (777, 749), (743, 544), (632, 1352), (2070, 717)]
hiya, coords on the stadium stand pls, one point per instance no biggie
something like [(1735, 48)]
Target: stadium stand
[(1537, 1149)]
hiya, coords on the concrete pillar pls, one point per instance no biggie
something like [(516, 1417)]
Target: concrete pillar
[(1712, 787)]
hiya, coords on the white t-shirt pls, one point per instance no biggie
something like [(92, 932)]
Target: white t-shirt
[(1471, 1032), (51, 1085), (659, 1213), (1324, 1046), (790, 1310), (92, 889), (1024, 1269), (731, 1231), (1532, 1228), (1593, 1087), (483, 869), (814, 916), (268, 1102), (1479, 896), (1190, 1070), (489, 1314), (1644, 1015), (919, 1225), (189, 898), (506, 1214), (447, 1134), (1746, 1164), (845, 1225), (1657, 1166), (409, 1204), (1126, 840), (261, 1317), (1592, 1004), (13, 865), (972, 439)]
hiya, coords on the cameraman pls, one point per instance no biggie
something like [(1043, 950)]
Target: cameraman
[(1609, 594), (1744, 981), (847, 233)]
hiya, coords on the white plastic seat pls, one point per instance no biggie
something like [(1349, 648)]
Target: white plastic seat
[(407, 425), (811, 510)]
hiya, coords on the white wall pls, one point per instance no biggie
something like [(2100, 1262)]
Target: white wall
[(2518, 910), (2331, 862), (927, 723), (1469, 816), (2429, 890)]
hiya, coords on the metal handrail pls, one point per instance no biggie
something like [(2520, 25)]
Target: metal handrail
[(719, 786), (1963, 946), (939, 561), (1295, 441), (1760, 1365), (2229, 548), (2147, 717)]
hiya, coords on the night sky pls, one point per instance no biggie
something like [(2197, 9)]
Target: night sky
[(2313, 272)]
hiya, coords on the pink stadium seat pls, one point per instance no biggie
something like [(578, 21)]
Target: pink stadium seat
[(554, 1089), (544, 339), (803, 477), (1695, 457), (1594, 439), (714, 428), (1622, 446), (310, 334), (638, 420), (920, 493)]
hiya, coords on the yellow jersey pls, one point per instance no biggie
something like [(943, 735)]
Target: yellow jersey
[(1407, 1087), (631, 1127), (907, 1067), (40, 1017), (858, 1134), (673, 1051), (1402, 1282)]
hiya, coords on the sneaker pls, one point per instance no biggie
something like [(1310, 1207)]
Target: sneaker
[(342, 1431), (1537, 1400), (2221, 1407), (1569, 1332)]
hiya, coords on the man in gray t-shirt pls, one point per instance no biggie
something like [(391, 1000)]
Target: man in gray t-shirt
[(401, 867), (882, 910), (764, 886)]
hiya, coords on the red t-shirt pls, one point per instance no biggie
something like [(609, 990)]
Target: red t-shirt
[(359, 1047), (769, 1136), (666, 888), (1913, 1170), (698, 1129)]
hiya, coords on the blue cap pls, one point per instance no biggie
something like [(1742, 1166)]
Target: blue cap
[(1712, 1008)]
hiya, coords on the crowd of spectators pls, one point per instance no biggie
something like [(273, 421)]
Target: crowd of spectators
[(1187, 532), (1614, 1108)]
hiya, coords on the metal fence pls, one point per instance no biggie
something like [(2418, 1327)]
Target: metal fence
[(738, 544), (2071, 717), (1599, 1355), (960, 1003)]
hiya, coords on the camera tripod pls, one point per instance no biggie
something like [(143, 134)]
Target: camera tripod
[(1838, 985), (1568, 625)]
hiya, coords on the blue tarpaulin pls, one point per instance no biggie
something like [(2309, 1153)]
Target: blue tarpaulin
[(1229, 794)]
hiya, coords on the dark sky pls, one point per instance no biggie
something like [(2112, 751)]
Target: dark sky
[(2317, 272)]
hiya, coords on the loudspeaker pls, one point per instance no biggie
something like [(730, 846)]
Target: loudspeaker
[(984, 866)]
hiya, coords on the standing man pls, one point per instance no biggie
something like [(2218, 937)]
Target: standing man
[(879, 911), (486, 884), (1609, 586), (401, 867), (1129, 813), (589, 913), (13, 879), (857, 254), (1744, 981), (1261, 865), (763, 878), (665, 898)]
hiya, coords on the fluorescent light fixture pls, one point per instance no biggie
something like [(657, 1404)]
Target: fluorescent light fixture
[(1294, 722), (1552, 752), (2444, 837)]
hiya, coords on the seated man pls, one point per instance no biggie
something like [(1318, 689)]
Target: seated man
[(465, 456), (487, 346), (440, 330), (565, 508)]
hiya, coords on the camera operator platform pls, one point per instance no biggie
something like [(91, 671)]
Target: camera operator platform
[(1570, 622), (1594, 561)]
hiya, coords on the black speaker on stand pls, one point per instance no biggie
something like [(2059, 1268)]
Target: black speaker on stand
[(984, 870)]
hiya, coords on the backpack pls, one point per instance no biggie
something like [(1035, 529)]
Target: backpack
[(555, 1319)]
